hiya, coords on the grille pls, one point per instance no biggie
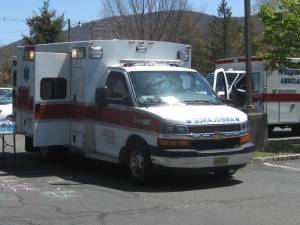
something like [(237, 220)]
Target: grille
[(215, 144), (214, 128)]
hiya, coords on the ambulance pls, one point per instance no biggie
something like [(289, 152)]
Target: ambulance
[(276, 93), (130, 102)]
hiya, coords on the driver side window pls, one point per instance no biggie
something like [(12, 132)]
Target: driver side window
[(117, 89)]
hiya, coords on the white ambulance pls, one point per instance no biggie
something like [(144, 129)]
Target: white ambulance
[(276, 93), (128, 102)]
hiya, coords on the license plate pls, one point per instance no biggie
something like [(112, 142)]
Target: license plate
[(221, 161)]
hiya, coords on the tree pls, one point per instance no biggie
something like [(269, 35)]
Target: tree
[(45, 27), (282, 33), (5, 73), (5, 68), (192, 35), (225, 34), (145, 19)]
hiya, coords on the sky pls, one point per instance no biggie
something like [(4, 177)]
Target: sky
[(14, 12)]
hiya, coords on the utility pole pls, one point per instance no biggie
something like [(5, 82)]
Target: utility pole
[(258, 120), (248, 103), (69, 30)]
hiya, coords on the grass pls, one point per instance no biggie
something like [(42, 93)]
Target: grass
[(279, 149), (270, 154)]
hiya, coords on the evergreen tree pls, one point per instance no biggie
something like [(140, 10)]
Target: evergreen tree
[(225, 34), (45, 27)]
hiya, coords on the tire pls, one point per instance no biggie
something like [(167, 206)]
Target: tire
[(29, 145), (270, 130), (53, 153), (138, 162), (225, 173), (296, 129)]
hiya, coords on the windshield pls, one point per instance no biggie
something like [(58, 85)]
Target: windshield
[(210, 78), (172, 88)]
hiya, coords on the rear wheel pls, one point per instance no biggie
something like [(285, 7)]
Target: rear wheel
[(139, 165), (53, 153), (270, 130), (296, 129), (29, 145)]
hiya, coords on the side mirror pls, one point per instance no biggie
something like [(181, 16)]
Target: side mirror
[(221, 94), (100, 96)]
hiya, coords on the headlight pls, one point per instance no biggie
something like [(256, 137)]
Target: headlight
[(245, 126), (173, 129)]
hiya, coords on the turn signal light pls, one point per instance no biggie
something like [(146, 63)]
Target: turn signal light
[(245, 139), (171, 142)]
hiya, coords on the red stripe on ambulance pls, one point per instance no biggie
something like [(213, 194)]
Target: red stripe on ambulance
[(276, 97), (114, 116)]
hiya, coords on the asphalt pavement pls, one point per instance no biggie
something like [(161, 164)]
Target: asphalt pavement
[(85, 191)]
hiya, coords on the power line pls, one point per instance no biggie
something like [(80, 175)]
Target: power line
[(6, 19), (13, 32)]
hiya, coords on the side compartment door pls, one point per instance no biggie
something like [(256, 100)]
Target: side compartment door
[(52, 99), (77, 100), (271, 99)]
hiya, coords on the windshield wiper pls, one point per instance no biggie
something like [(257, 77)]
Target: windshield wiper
[(153, 102), (197, 101)]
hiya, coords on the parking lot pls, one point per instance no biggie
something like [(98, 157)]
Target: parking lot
[(84, 191)]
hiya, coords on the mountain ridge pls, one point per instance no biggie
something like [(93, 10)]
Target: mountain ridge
[(100, 29)]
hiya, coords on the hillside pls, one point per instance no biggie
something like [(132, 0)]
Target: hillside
[(100, 29)]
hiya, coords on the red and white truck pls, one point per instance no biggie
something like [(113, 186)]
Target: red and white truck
[(276, 93), (131, 102)]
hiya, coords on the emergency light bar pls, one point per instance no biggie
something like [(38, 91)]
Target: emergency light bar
[(29, 55), (183, 55), (147, 62), (78, 53), (96, 52)]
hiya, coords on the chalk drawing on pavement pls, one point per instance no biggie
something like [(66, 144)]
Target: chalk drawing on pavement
[(16, 185), (8, 197), (61, 194)]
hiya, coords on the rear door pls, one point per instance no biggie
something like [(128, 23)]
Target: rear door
[(52, 99), (221, 85)]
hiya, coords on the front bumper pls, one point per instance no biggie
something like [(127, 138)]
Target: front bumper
[(195, 159)]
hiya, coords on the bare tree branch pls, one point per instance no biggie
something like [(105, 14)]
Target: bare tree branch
[(145, 19)]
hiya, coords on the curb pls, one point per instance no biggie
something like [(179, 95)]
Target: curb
[(260, 160)]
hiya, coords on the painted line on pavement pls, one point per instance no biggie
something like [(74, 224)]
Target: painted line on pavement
[(282, 167)]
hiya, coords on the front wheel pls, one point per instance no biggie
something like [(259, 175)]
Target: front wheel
[(225, 173), (139, 165)]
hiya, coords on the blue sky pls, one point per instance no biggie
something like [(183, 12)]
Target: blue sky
[(16, 11)]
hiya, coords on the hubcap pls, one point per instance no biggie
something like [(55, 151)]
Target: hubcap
[(137, 164)]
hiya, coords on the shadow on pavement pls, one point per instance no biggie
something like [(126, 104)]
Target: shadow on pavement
[(78, 171)]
